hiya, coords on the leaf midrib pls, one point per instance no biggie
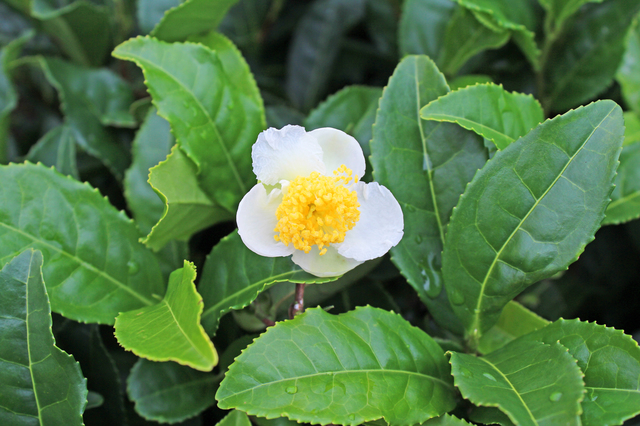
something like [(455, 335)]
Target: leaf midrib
[(193, 345)]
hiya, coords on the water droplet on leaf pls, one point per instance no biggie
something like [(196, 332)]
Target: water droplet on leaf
[(456, 297), (410, 208), (133, 267), (555, 397), (292, 389), (466, 372), (418, 239), (489, 376), (352, 417)]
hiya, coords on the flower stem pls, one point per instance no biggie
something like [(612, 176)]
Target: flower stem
[(298, 304)]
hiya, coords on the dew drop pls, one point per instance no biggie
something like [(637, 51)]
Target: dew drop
[(466, 372), (418, 239), (352, 417), (133, 267), (456, 297), (555, 397), (410, 208), (489, 376), (292, 389)]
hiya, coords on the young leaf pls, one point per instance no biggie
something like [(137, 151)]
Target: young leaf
[(167, 392), (437, 161), (610, 361), (38, 382), (533, 383), (233, 276), (94, 265), (501, 241), (57, 148), (625, 198), (628, 74), (488, 110), (235, 418), (188, 84), (191, 17), (170, 330), (338, 369)]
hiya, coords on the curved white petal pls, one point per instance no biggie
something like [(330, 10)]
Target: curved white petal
[(285, 154), (330, 264), (380, 226), (339, 148), (256, 220)]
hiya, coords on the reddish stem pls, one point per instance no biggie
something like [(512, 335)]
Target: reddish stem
[(298, 305)]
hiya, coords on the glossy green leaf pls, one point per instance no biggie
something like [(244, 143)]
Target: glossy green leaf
[(559, 10), (488, 110), (515, 321), (533, 383), (489, 416), (501, 241), (315, 46), (446, 420), (585, 56), (188, 84), (94, 265), (150, 12), (437, 161), (235, 418), (631, 128), (57, 148), (39, 383), (187, 209), (338, 369), (625, 198), (233, 276), (170, 330), (423, 25), (628, 74), (610, 361), (191, 17), (168, 392)]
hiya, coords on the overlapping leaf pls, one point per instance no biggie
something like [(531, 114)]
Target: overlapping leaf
[(625, 198), (631, 128), (190, 18), (558, 11), (437, 161), (57, 148), (39, 383), (235, 418), (500, 241), (628, 74), (170, 330), (150, 12), (94, 266), (488, 110), (339, 369), (446, 420)]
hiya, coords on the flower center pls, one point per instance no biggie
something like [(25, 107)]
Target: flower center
[(317, 210)]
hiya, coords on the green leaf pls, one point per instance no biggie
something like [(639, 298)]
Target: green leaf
[(490, 416), (631, 128), (57, 148), (628, 74), (437, 161), (94, 265), (338, 369), (446, 420), (188, 83), (558, 11), (515, 321), (585, 57), (190, 18), (170, 330), (469, 80), (233, 276), (187, 209), (610, 361), (150, 12), (38, 382), (499, 242), (488, 110), (625, 198), (168, 393), (315, 47), (235, 418), (423, 25), (533, 383)]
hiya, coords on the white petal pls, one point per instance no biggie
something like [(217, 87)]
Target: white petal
[(339, 148), (285, 154), (330, 264), (256, 220), (380, 226)]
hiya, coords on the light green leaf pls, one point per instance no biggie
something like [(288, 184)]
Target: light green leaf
[(585, 57), (515, 321), (190, 18), (423, 25), (57, 148), (437, 161), (94, 265), (533, 383), (233, 276), (501, 241), (150, 12), (610, 361), (631, 128), (39, 383), (235, 418), (170, 330), (559, 10), (188, 84), (488, 110), (168, 392), (338, 369), (625, 198), (628, 74), (187, 209)]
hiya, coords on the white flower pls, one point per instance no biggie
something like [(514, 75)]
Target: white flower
[(309, 203)]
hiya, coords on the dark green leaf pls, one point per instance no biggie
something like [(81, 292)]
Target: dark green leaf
[(501, 241), (437, 161), (469, 80), (167, 392), (150, 12), (488, 110), (446, 420), (533, 383), (625, 198), (423, 25), (94, 400), (628, 74), (245, 22), (279, 116), (190, 18), (56, 149), (559, 10), (94, 265), (39, 383), (382, 26), (235, 418), (490, 416), (233, 276), (170, 330), (338, 369)]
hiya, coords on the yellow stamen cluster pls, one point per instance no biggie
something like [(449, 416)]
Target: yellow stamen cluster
[(317, 210)]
